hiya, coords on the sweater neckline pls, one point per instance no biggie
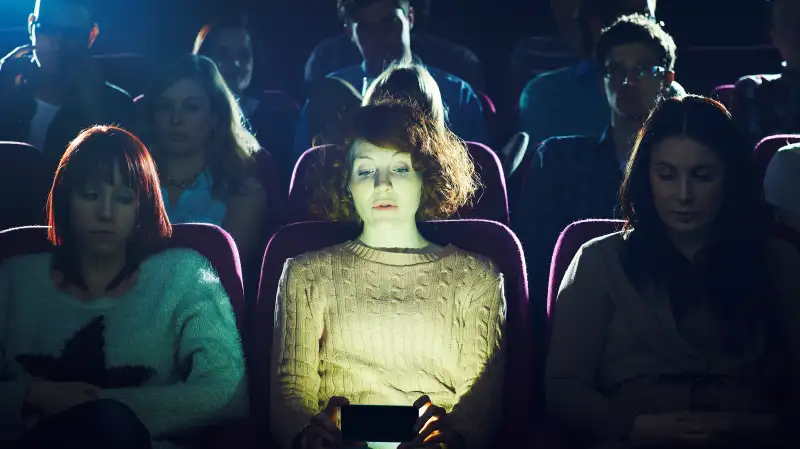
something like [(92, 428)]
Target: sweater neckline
[(398, 256)]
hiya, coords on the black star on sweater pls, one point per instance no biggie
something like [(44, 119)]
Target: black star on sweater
[(83, 360)]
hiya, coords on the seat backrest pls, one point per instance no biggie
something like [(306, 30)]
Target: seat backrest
[(25, 183), (266, 171), (765, 150), (209, 240), (496, 242), (725, 94), (490, 203), (569, 242)]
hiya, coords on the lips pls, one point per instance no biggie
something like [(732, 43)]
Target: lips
[(384, 205)]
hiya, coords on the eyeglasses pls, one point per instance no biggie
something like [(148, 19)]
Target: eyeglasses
[(620, 73)]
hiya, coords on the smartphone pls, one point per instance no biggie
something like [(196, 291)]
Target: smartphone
[(378, 423)]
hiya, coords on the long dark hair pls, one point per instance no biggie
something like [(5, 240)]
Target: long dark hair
[(233, 149), (94, 155), (729, 270)]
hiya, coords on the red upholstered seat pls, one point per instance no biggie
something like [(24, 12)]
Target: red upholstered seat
[(569, 242), (210, 241), (25, 182), (766, 149)]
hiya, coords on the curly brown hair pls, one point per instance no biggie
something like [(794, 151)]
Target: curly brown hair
[(449, 180)]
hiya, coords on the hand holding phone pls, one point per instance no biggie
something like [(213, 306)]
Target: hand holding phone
[(322, 430), (433, 428), (378, 423)]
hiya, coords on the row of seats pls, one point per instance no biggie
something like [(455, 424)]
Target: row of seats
[(255, 320)]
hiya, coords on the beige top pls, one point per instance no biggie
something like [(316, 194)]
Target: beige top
[(616, 352), (384, 327)]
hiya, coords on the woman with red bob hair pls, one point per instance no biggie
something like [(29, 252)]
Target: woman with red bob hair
[(113, 340)]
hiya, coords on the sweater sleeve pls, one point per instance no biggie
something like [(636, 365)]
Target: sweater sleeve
[(584, 312), (13, 391), (209, 351), (477, 413), (295, 379)]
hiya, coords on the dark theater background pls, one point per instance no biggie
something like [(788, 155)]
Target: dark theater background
[(705, 31)]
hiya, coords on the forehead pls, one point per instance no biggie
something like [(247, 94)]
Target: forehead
[(361, 149), (636, 52), (184, 88), (57, 14), (231, 37), (684, 152), (377, 11)]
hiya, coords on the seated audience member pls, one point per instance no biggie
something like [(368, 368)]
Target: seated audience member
[(381, 30), (234, 47), (570, 101), (51, 89), (681, 330), (577, 177), (330, 100), (336, 53), (112, 340), (409, 82), (768, 105), (782, 186), (391, 337), (535, 55), (205, 155)]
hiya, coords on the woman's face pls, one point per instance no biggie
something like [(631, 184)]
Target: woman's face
[(232, 50), (103, 215), (183, 117), (385, 187), (687, 180)]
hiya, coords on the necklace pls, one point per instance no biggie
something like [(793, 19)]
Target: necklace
[(182, 183)]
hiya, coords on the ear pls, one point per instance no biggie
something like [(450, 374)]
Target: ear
[(93, 34), (31, 19), (411, 17), (669, 78)]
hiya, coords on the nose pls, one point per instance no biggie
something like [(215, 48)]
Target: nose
[(176, 116), (105, 209), (382, 181), (686, 194)]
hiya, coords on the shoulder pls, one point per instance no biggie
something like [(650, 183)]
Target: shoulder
[(606, 247), (782, 255), (116, 92), (26, 265), (472, 264), (448, 81), (181, 263), (565, 145), (548, 80), (748, 85), (308, 263)]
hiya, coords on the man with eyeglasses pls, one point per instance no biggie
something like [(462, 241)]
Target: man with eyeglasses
[(571, 101), (51, 89), (577, 177)]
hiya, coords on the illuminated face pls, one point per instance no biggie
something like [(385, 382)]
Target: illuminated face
[(687, 179), (385, 187)]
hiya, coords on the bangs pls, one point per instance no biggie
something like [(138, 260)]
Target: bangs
[(96, 158)]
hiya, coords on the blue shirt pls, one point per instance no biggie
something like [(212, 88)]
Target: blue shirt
[(196, 204), (568, 102), (463, 109)]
